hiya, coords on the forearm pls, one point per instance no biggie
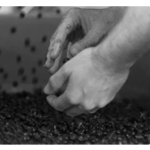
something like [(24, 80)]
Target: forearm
[(129, 40)]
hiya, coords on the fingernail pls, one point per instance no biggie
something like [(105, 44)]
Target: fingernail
[(73, 52), (49, 88), (55, 51), (48, 55), (44, 65), (49, 99), (46, 90), (49, 63)]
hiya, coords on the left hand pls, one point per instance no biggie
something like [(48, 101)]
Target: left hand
[(90, 84), (80, 29)]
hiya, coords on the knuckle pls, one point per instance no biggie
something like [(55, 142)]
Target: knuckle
[(102, 103), (72, 99), (77, 46), (83, 44), (87, 106)]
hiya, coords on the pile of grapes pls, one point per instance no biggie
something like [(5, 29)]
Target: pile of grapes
[(27, 118)]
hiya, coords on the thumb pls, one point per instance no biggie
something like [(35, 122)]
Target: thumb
[(93, 37)]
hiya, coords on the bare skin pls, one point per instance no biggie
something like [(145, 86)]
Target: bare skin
[(80, 29), (95, 75), (91, 85)]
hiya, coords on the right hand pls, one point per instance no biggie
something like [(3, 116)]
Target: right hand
[(90, 83), (80, 28)]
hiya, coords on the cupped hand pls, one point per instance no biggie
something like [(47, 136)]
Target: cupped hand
[(80, 29), (90, 84)]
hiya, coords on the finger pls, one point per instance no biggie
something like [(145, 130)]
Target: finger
[(57, 81), (47, 89), (62, 58), (69, 46), (59, 61), (57, 64), (74, 111), (59, 103), (51, 62), (93, 37), (93, 110), (68, 24)]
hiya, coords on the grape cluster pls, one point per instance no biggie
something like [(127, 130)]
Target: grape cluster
[(27, 118)]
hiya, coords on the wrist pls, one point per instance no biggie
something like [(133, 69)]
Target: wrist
[(124, 45), (107, 59), (107, 51)]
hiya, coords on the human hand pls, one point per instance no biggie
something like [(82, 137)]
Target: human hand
[(80, 29), (91, 83)]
